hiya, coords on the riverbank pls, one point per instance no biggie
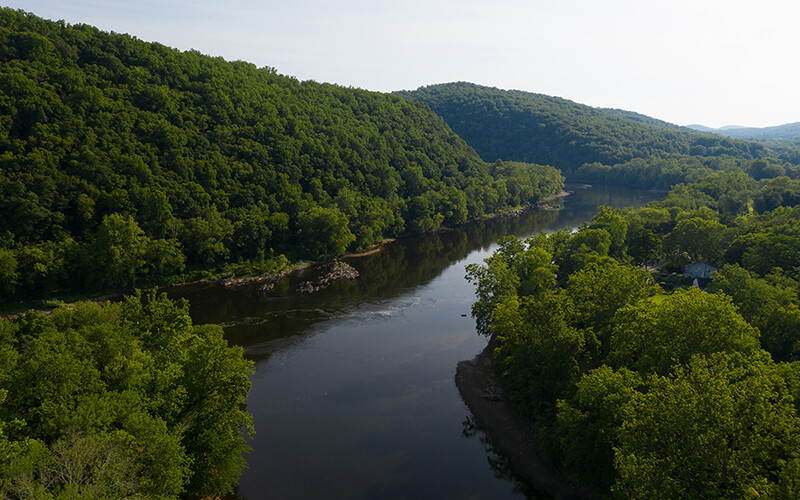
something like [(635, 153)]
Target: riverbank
[(265, 280), (544, 204), (512, 434), (563, 194), (269, 279)]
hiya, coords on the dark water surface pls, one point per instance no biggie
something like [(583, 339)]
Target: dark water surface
[(354, 394)]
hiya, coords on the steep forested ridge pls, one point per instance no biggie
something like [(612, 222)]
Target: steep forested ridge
[(122, 160), (523, 126)]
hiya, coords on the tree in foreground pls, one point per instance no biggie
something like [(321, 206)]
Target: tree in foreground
[(722, 426), (652, 336), (120, 400)]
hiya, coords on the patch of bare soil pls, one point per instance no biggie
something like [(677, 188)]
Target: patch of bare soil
[(510, 433)]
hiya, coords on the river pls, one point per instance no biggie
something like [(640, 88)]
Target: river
[(353, 394)]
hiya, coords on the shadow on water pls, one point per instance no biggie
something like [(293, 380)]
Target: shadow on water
[(257, 320), (500, 465), (265, 321), (354, 393)]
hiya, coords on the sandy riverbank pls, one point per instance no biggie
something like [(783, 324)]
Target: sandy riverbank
[(509, 432)]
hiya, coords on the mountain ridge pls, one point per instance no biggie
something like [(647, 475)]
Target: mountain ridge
[(125, 161), (525, 126)]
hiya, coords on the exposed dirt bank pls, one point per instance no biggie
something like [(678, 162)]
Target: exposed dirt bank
[(509, 432)]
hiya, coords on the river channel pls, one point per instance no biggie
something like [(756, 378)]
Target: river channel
[(353, 394)]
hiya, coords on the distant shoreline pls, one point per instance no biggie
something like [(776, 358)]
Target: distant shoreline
[(544, 204), (272, 277), (512, 434)]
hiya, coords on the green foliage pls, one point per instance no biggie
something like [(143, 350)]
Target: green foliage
[(768, 243), (645, 394), (616, 227), (516, 268), (516, 125), (540, 355), (324, 232), (659, 172), (652, 336), (723, 426), (9, 278), (600, 145), (115, 400), (598, 291), (588, 422), (777, 192), (772, 308), (116, 151), (696, 239), (120, 246), (588, 246)]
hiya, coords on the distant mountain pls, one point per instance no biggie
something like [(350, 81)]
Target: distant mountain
[(523, 126), (703, 128), (786, 131)]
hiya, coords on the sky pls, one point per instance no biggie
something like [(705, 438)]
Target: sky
[(709, 62)]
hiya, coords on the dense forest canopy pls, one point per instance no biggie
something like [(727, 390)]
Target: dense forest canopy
[(523, 126), (597, 145), (123, 162), (124, 400), (645, 386)]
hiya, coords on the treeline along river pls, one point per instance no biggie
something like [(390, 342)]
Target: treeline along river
[(354, 394)]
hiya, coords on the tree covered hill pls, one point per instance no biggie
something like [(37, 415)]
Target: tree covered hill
[(122, 159), (523, 126)]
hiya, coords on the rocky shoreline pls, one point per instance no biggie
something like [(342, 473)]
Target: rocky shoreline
[(544, 204), (338, 271), (269, 281), (510, 433)]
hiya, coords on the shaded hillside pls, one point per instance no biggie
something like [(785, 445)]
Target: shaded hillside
[(516, 125), (122, 160)]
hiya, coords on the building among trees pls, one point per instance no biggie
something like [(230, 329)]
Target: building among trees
[(700, 269)]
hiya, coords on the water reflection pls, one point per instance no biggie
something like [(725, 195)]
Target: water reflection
[(354, 393), (500, 465), (254, 319)]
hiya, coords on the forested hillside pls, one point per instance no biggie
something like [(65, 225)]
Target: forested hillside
[(644, 386), (522, 126), (663, 173), (122, 162)]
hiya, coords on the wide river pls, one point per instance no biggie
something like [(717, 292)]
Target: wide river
[(354, 394)]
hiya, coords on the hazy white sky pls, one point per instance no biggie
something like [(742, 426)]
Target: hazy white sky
[(713, 62)]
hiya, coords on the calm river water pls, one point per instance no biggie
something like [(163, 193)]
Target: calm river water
[(354, 394)]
